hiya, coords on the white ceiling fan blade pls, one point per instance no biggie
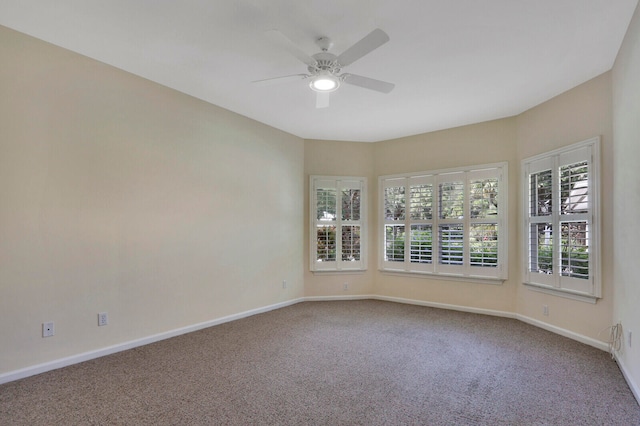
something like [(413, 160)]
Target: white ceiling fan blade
[(322, 100), (277, 80), (372, 41), (276, 37), (368, 83)]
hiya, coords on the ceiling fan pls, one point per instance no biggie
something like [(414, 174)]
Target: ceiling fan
[(325, 68)]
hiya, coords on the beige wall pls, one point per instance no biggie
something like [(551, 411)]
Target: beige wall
[(574, 116), (337, 158), (483, 143), (120, 195), (626, 196)]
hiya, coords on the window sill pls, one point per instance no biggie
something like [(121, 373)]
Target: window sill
[(562, 293), (445, 277), (340, 272)]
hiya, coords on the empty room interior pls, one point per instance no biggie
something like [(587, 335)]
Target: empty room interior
[(167, 168)]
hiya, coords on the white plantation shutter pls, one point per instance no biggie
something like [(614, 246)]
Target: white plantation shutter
[(338, 238), (420, 220), (445, 222), (451, 191), (408, 223), (487, 216), (394, 215), (562, 235)]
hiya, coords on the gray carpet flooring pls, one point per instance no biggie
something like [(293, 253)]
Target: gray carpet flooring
[(337, 363)]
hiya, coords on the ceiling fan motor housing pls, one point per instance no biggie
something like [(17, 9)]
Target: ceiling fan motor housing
[(325, 61)]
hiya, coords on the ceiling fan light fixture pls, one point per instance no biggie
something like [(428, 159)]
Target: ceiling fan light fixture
[(324, 82)]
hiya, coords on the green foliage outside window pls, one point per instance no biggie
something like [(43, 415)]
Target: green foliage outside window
[(421, 246), (327, 246), (326, 237), (574, 259), (394, 246), (483, 245)]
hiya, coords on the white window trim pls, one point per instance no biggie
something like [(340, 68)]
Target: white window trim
[(443, 277), (341, 267), (552, 284), (445, 272)]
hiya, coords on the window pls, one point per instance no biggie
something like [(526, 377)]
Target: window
[(561, 202), (450, 223), (338, 223)]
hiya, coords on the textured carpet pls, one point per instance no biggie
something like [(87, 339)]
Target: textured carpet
[(338, 363)]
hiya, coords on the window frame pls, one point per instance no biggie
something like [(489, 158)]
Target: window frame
[(337, 182), (464, 271), (558, 282)]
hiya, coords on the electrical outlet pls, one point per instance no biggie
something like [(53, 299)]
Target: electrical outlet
[(284, 283), (629, 334), (345, 286), (47, 329), (545, 310), (103, 319)]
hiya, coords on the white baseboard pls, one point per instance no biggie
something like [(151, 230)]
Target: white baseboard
[(564, 332), (86, 356), (635, 389), (446, 306), (334, 298)]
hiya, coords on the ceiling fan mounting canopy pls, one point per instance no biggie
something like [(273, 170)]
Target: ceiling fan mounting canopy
[(324, 43)]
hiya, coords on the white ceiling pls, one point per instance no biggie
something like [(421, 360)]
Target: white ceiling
[(453, 62)]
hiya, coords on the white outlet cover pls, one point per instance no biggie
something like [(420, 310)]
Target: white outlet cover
[(48, 329), (103, 319)]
